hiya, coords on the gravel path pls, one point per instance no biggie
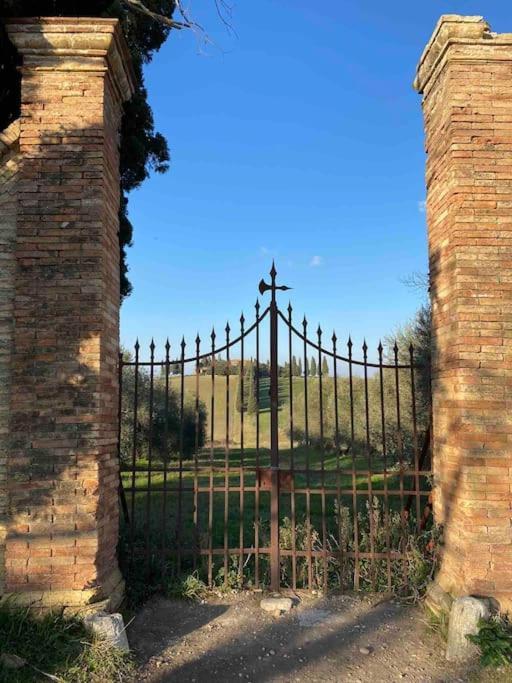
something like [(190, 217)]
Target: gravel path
[(333, 639)]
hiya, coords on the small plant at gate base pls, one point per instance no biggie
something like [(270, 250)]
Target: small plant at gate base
[(438, 623), (379, 531), (58, 648), (494, 639), (230, 580), (190, 587)]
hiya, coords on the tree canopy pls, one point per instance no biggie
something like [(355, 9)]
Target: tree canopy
[(146, 26)]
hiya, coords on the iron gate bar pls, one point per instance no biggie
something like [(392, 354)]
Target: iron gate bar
[(196, 452), (212, 439), (292, 454), (308, 482), (257, 491), (369, 459), (242, 477), (385, 463), (275, 570), (187, 542), (415, 438), (226, 463), (167, 454), (400, 455), (134, 450)]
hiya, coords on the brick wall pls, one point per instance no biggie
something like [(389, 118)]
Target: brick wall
[(465, 76), (9, 166), (62, 521)]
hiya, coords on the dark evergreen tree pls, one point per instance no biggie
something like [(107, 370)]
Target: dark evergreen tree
[(325, 367), (146, 25), (241, 392), (252, 399), (312, 367)]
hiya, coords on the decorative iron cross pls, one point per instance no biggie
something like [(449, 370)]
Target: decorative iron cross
[(264, 287)]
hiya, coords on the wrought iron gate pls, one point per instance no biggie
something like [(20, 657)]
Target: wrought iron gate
[(245, 471)]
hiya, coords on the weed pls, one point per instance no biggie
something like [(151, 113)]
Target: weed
[(60, 647), (494, 639), (438, 623), (191, 587)]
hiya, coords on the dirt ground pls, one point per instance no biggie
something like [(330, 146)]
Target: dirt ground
[(328, 639)]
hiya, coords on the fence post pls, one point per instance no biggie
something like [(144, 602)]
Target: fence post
[(61, 517), (465, 77)]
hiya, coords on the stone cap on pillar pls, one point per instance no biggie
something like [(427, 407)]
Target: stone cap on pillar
[(450, 29), (74, 43)]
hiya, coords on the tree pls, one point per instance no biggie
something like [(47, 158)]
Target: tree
[(163, 430), (417, 333), (252, 399), (146, 25), (312, 367), (241, 392), (306, 367), (299, 368), (325, 367)]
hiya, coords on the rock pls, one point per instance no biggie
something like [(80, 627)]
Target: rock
[(110, 627), (12, 661), (276, 604), (365, 650), (464, 617), (437, 600)]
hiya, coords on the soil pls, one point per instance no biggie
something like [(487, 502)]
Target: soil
[(329, 639)]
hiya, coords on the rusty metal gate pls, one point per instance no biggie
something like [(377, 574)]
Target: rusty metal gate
[(247, 469)]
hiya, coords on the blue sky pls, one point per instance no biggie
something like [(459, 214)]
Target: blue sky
[(300, 139)]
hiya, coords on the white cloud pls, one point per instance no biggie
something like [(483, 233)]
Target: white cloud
[(316, 261), (422, 206)]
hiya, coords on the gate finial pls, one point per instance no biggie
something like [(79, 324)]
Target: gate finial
[(264, 287)]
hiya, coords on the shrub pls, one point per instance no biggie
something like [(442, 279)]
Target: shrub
[(58, 648), (494, 639)]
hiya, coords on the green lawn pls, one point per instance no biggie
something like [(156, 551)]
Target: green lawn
[(187, 515), (211, 501)]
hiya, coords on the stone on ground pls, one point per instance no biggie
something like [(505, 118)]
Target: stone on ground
[(110, 627), (276, 604), (464, 617), (437, 600), (11, 661)]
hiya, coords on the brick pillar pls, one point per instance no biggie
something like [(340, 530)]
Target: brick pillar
[(465, 76), (61, 522)]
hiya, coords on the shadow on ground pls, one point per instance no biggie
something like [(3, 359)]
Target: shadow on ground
[(323, 639)]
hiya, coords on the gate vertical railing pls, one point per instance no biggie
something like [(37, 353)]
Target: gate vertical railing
[(275, 571), (327, 492)]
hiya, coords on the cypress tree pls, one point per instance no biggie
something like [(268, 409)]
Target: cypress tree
[(312, 367), (325, 367), (252, 401), (241, 405)]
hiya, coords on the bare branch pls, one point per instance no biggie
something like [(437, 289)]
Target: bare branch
[(138, 6), (225, 12), (417, 281)]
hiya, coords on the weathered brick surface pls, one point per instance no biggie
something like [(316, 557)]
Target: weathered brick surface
[(61, 523), (9, 165), (465, 75)]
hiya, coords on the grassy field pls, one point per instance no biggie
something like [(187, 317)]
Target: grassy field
[(211, 500), (175, 508), (228, 420)]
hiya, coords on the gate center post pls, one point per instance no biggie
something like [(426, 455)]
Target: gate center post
[(275, 573)]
